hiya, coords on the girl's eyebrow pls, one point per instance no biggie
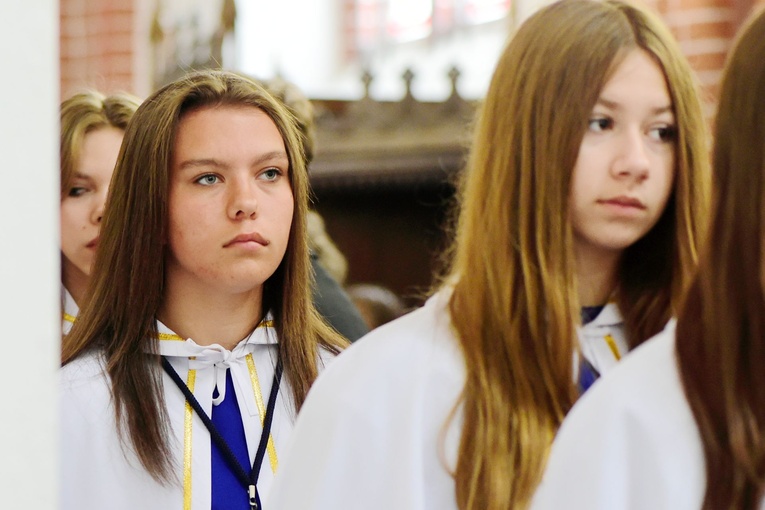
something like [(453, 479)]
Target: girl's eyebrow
[(82, 176), (203, 162), (270, 156), (212, 162), (616, 106)]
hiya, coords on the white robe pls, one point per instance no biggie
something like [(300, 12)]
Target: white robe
[(98, 473), (631, 442), (374, 433), (70, 313)]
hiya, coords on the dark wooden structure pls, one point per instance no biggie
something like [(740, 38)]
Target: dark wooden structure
[(383, 180)]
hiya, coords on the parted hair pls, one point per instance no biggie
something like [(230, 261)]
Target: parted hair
[(721, 326), (514, 305), (118, 319), (86, 112)]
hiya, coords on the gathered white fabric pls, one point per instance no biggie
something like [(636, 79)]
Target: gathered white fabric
[(99, 471), (216, 357)]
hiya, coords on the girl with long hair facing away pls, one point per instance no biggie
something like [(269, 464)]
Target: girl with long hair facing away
[(184, 372), (586, 184), (680, 425), (92, 127)]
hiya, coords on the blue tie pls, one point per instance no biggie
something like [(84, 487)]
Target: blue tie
[(227, 491), (587, 373), (587, 376)]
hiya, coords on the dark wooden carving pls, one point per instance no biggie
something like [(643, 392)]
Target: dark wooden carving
[(383, 176), (369, 143)]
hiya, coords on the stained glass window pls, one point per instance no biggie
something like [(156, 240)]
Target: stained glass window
[(408, 20)]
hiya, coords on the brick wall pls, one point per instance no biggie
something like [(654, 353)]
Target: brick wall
[(97, 45), (704, 29), (104, 43)]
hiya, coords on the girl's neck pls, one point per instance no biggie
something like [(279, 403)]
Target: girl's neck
[(74, 281), (210, 317), (596, 272)]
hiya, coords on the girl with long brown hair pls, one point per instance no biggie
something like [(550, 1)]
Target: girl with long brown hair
[(681, 424), (198, 342), (92, 127), (586, 183)]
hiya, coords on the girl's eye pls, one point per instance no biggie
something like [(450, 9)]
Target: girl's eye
[(76, 191), (665, 134), (271, 174), (208, 180), (600, 124)]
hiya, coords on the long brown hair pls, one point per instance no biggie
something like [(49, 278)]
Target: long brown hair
[(118, 318), (514, 304), (721, 326)]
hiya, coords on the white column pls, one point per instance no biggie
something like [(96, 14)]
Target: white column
[(29, 254)]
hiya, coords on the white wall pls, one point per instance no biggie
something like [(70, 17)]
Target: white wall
[(29, 260), (302, 41)]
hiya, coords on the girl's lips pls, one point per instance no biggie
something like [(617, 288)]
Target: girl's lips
[(623, 201), (248, 238), (92, 244)]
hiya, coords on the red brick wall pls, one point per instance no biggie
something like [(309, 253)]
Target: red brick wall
[(704, 29), (100, 40), (97, 45)]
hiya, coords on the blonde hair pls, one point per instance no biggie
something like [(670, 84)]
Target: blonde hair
[(118, 319), (514, 305), (86, 112)]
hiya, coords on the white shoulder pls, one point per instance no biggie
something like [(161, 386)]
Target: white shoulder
[(373, 419), (630, 441), (408, 348)]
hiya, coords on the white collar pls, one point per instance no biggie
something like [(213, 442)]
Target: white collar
[(70, 310), (171, 344), (609, 316), (201, 357)]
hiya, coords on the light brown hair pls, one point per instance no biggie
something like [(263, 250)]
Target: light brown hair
[(118, 319), (721, 325), (514, 304), (86, 112)]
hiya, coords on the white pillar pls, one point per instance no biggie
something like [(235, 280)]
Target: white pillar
[(29, 254)]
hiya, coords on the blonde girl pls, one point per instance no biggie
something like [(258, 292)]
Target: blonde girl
[(92, 127), (586, 183), (680, 424)]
